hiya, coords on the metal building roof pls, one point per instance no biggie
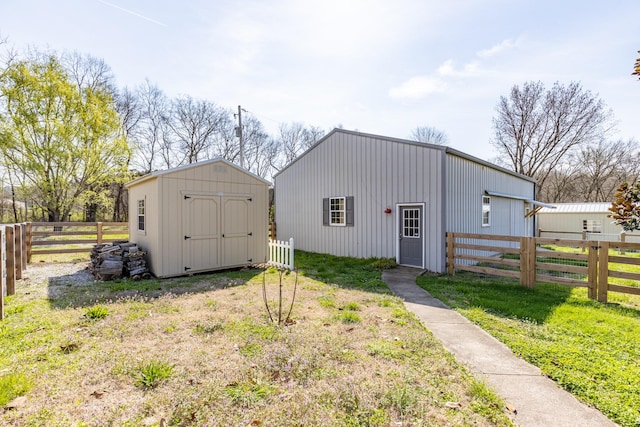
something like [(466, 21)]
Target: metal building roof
[(560, 208)]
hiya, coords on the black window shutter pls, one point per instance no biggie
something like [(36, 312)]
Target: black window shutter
[(349, 209), (325, 211)]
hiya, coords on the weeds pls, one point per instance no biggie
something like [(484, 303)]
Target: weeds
[(12, 386), (96, 312), (151, 374), (235, 367)]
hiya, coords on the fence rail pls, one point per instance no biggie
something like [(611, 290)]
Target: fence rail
[(581, 263), (46, 238), (281, 253)]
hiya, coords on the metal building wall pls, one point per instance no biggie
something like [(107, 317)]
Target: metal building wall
[(380, 173), (467, 182)]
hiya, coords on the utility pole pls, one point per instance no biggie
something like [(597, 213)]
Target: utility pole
[(239, 135)]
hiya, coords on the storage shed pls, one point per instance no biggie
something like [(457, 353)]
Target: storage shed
[(362, 195), (578, 220), (200, 217)]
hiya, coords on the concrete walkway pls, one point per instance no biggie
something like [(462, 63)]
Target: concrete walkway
[(537, 400)]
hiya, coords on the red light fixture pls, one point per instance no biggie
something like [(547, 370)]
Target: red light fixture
[(387, 211)]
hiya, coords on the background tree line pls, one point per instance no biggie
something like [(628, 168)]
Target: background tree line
[(70, 138), (562, 137)]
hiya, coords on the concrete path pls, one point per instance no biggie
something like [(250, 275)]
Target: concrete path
[(537, 400)]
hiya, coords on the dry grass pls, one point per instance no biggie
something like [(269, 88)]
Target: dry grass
[(349, 358)]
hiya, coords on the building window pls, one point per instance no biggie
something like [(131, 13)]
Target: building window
[(411, 223), (592, 225), (486, 211), (337, 211), (141, 215)]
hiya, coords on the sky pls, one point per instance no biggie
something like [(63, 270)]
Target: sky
[(380, 67)]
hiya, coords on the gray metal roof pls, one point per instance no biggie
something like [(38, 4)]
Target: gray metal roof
[(562, 208)]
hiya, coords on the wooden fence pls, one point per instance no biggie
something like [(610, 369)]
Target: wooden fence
[(46, 238), (13, 256), (581, 263)]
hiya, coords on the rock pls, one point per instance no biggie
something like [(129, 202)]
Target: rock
[(16, 403)]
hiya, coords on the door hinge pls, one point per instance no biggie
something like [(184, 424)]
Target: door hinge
[(250, 260), (186, 197), (250, 234), (187, 268), (187, 237), (222, 234)]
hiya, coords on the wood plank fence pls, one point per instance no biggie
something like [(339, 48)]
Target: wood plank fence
[(46, 238), (579, 263)]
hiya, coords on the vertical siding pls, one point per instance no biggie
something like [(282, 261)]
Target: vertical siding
[(379, 173), (165, 195), (149, 240), (466, 183), (572, 222)]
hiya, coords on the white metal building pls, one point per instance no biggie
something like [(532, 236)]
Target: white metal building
[(200, 217), (570, 220), (362, 195)]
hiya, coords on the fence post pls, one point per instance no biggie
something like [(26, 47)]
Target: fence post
[(531, 269), (592, 270), (3, 282), (524, 261), (18, 250), (11, 262), (23, 248), (603, 271), (99, 233), (451, 250), (291, 253), (623, 237), (29, 241), (584, 238)]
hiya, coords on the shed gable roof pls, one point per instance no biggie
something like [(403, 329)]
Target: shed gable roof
[(156, 174)]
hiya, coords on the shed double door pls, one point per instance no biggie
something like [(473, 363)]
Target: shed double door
[(217, 231)]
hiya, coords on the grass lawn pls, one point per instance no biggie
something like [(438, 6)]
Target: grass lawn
[(589, 348), (200, 350)]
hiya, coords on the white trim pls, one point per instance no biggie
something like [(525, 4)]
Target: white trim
[(422, 233), (142, 231), (486, 208), (515, 197), (343, 210)]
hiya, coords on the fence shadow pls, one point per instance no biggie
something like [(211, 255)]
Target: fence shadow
[(80, 288), (502, 297)]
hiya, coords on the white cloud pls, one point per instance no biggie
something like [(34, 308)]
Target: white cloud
[(418, 87), (448, 69), (499, 48)]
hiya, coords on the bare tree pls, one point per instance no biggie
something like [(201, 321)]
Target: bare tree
[(152, 149), (603, 166), (87, 71), (259, 149), (636, 68), (429, 135), (292, 141), (194, 123), (535, 129), (130, 111)]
